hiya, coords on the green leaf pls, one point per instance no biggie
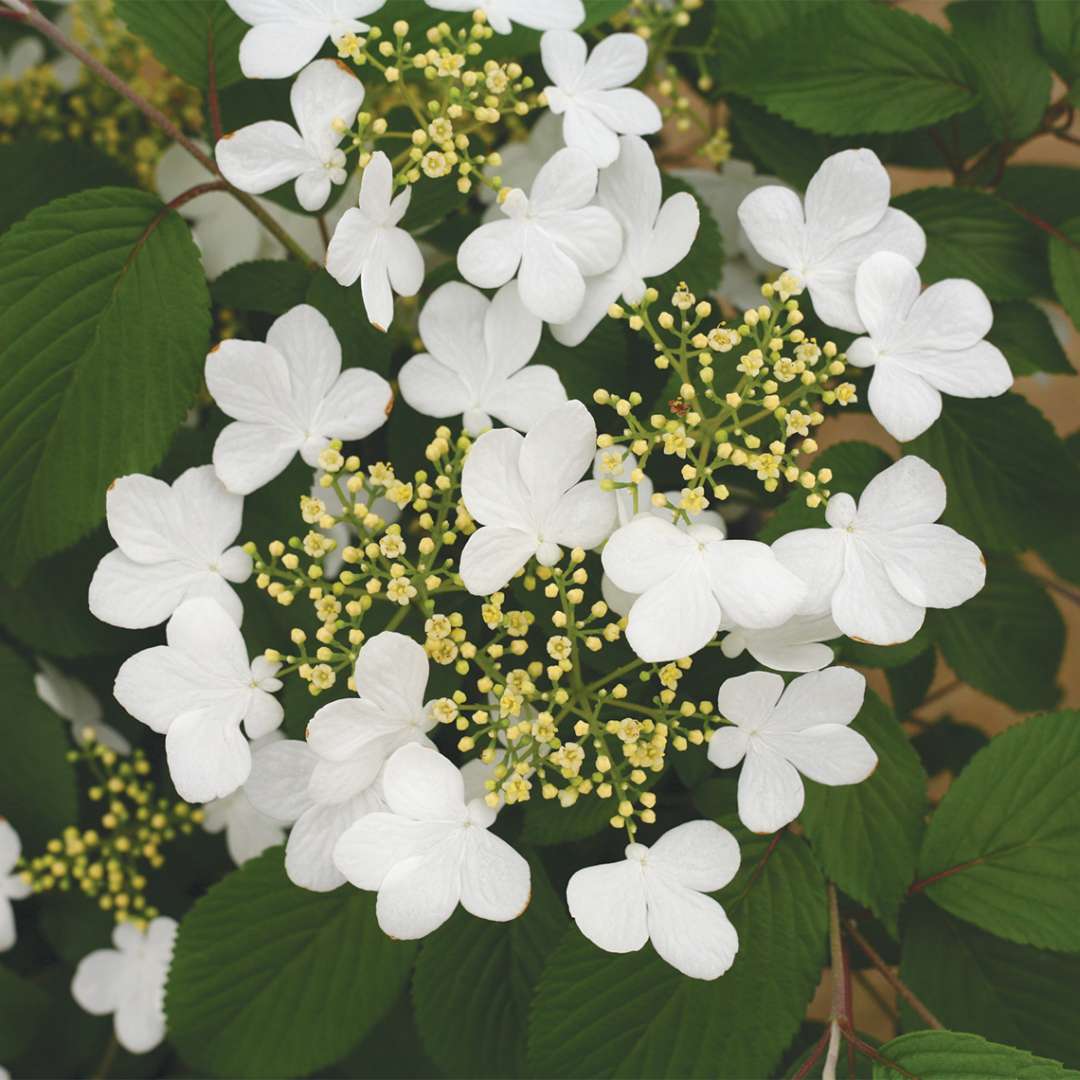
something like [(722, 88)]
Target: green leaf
[(910, 682), (854, 465), (1003, 848), (883, 656), (1000, 43), (547, 821), (182, 36), (950, 1055), (480, 1029), (866, 836), (104, 321), (973, 981), (1047, 191), (37, 780), (1024, 334), (1059, 26), (602, 1015), (1062, 551), (432, 201), (24, 1007), (948, 745), (885, 71), (269, 979), (600, 360), (1065, 267), (1003, 499), (975, 235), (1008, 640), (391, 1051), (361, 344), (264, 285), (33, 173)]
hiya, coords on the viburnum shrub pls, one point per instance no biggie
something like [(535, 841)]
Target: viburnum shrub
[(441, 591)]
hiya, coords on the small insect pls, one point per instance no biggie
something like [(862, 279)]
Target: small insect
[(678, 406)]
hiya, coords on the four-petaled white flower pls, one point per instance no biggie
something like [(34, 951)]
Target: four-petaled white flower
[(477, 350), (173, 544), (552, 239), (369, 244), (884, 561), (502, 14), (655, 237), (688, 581), (325, 100), (922, 345), (196, 691), (784, 732), (528, 495), (288, 396), (657, 894), (795, 645), (847, 219), (287, 34), (74, 701), (12, 886), (128, 981), (248, 831), (431, 850), (592, 95)]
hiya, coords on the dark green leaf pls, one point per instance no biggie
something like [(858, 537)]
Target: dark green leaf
[(1047, 191), (947, 745), (263, 285), (910, 682), (391, 1051), (361, 344), (104, 320), (1059, 26), (269, 979), (601, 1015), (1007, 640), (1065, 267), (1024, 334), (883, 656), (1003, 848), (23, 1009), (950, 1055), (1062, 551), (600, 360), (432, 201)]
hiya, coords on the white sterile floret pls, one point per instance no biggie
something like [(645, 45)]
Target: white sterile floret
[(75, 702), (475, 364), (288, 396), (655, 237), (522, 159), (431, 850), (369, 244), (173, 544), (552, 239), (688, 581), (25, 53), (287, 34), (12, 886), (784, 732), (592, 94), (528, 495), (248, 831), (846, 219), (197, 690), (922, 344), (883, 562), (793, 646), (535, 14), (325, 99), (128, 981), (657, 894)]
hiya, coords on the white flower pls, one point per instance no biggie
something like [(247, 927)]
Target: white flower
[(196, 691), (655, 237), (73, 700), (477, 350), (592, 95), (370, 245), (657, 894), (325, 99), (523, 159), (688, 581), (847, 219), (173, 545), (922, 345), (552, 239), (884, 562), (288, 396), (793, 646), (722, 193), (12, 886), (784, 732), (248, 832), (431, 850), (287, 34), (528, 495), (128, 980), (24, 54), (501, 14)]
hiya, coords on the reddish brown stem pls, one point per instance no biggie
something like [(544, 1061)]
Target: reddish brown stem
[(918, 886), (815, 1056)]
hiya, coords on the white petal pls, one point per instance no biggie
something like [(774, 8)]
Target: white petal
[(8, 934), (886, 286), (376, 186), (975, 372), (770, 790), (262, 156), (631, 190), (276, 50), (209, 519), (866, 605), (600, 293), (584, 131), (451, 326), (404, 261), (432, 388), (344, 729), (833, 696), (563, 55), (626, 111), (489, 256), (932, 565), (143, 518), (583, 517), (817, 557), (251, 381), (772, 218), (420, 783), (749, 699), (697, 854), (550, 283), (616, 60), (951, 314), (375, 288), (728, 746), (98, 980), (322, 93), (608, 904), (829, 753), (309, 854), (566, 182), (350, 246), (845, 198), (135, 595), (418, 895), (491, 482), (278, 783), (495, 879), (140, 1021), (674, 233), (371, 847), (208, 756), (591, 237), (248, 456), (555, 454), (511, 333), (909, 492), (247, 832), (774, 595), (358, 403), (674, 618), (524, 398), (392, 673), (688, 930), (645, 552), (550, 15), (493, 555), (312, 189), (903, 402), (10, 847)]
